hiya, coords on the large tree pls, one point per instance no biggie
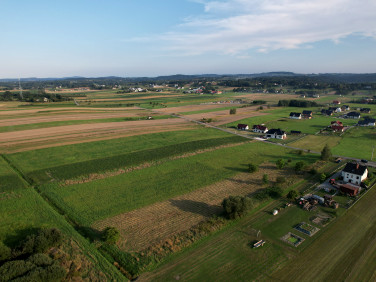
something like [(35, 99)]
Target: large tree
[(326, 153)]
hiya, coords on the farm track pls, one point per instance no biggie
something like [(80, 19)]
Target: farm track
[(144, 227)]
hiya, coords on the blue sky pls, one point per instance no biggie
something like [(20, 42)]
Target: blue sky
[(41, 38)]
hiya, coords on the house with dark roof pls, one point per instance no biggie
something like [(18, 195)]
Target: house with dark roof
[(367, 122), (335, 109), (353, 115), (326, 112), (259, 129), (365, 110), (345, 108), (295, 115), (276, 133), (307, 114), (354, 173), (242, 126)]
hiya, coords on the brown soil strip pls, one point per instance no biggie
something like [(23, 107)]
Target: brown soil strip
[(190, 108), (152, 224), (224, 117)]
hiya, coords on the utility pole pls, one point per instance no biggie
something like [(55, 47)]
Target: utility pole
[(19, 86)]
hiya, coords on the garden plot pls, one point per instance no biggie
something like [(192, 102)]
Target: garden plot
[(292, 239), (307, 229)]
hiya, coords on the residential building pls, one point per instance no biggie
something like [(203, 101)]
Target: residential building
[(260, 129), (354, 173), (276, 133), (295, 115)]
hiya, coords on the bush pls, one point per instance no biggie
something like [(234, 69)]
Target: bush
[(14, 269), (313, 171), (233, 111), (236, 206), (299, 166), (292, 195), (40, 242), (326, 153), (252, 168), (323, 176), (111, 235), (51, 273), (5, 252), (275, 192), (280, 164), (262, 195), (265, 179), (40, 260)]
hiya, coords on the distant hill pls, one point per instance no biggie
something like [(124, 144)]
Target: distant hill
[(323, 77)]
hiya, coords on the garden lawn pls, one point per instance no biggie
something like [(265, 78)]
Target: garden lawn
[(357, 143)]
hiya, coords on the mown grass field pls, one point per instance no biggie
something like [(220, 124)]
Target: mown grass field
[(9, 180), (316, 142), (357, 143), (107, 197)]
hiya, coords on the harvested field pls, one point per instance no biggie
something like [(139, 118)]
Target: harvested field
[(149, 225), (268, 97), (191, 108), (224, 117), (131, 98), (46, 137), (65, 117), (53, 109)]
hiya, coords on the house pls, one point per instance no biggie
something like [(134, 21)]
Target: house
[(295, 115), (242, 126), (260, 129), (326, 112), (365, 110), (367, 122), (337, 126), (276, 133), (335, 102), (335, 109), (345, 108), (307, 114), (354, 173), (353, 115)]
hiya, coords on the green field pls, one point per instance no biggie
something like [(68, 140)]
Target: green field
[(55, 156), (72, 122), (316, 143), (357, 143), (107, 197)]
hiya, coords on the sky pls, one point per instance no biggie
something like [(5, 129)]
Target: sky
[(128, 38)]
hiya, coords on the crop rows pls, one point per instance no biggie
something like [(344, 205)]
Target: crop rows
[(101, 165)]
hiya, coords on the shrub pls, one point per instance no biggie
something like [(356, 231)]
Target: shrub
[(275, 192), (313, 171), (40, 260), (13, 269), (50, 273), (39, 242), (233, 111), (265, 179), (299, 166), (111, 235), (252, 168), (262, 195), (280, 164), (236, 206), (5, 252), (292, 195), (322, 177), (326, 153)]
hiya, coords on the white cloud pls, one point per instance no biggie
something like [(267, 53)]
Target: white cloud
[(236, 26)]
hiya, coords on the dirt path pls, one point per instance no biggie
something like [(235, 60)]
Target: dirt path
[(149, 225)]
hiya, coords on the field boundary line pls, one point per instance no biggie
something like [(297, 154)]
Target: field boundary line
[(24, 178)]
